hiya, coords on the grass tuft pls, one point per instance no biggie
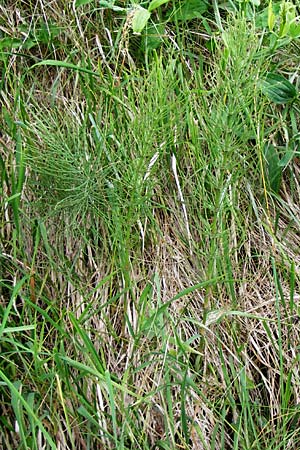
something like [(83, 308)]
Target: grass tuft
[(149, 263)]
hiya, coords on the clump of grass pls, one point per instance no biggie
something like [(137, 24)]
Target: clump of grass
[(148, 299)]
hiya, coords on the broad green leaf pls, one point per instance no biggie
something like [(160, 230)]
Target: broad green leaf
[(189, 10), (82, 2), (152, 38), (156, 4), (294, 30), (287, 16), (262, 18), (278, 89), (274, 171), (140, 19), (8, 42)]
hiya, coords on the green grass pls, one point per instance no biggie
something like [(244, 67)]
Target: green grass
[(149, 262)]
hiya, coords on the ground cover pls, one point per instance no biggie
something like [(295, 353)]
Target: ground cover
[(150, 225)]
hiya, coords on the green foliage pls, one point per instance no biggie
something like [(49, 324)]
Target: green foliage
[(83, 2), (274, 169), (278, 89), (156, 4), (189, 10), (143, 21), (281, 21), (139, 19), (149, 263), (43, 34)]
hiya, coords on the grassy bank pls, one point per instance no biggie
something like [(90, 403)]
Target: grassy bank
[(149, 258)]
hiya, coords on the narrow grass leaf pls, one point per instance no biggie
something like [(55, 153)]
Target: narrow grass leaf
[(15, 403), (64, 65), (18, 396), (183, 415), (89, 347), (89, 370), (8, 308), (18, 329), (112, 403)]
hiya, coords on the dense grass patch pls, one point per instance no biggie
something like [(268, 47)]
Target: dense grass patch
[(149, 255)]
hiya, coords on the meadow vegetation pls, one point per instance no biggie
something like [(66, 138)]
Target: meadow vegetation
[(150, 225)]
